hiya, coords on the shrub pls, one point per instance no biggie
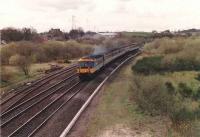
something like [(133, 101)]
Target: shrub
[(6, 52), (184, 90), (196, 96), (153, 64), (148, 65), (183, 115), (179, 54), (5, 75), (168, 62), (67, 61), (22, 62), (185, 64), (198, 77), (170, 88), (152, 95)]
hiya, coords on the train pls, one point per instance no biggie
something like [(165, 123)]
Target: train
[(89, 65)]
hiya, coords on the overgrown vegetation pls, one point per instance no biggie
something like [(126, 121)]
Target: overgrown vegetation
[(157, 92), (170, 55), (44, 52)]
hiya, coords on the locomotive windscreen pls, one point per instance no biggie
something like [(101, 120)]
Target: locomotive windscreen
[(86, 64)]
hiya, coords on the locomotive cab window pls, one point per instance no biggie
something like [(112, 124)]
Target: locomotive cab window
[(84, 64)]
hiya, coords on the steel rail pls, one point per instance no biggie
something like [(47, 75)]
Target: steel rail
[(37, 95), (32, 105), (14, 133), (30, 91), (50, 116)]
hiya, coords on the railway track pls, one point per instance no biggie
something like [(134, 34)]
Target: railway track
[(29, 91), (56, 104), (31, 102), (40, 118), (38, 101), (36, 114)]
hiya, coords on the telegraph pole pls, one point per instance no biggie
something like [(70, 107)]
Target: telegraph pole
[(0, 37)]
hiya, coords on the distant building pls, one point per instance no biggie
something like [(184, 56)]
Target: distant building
[(108, 34)]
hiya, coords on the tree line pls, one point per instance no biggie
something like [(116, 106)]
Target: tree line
[(30, 34), (13, 34)]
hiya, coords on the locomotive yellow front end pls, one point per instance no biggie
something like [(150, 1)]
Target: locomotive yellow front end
[(85, 67)]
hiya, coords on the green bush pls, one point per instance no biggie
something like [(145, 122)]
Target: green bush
[(196, 95), (185, 64), (183, 115), (149, 65), (185, 90), (153, 64), (170, 88), (179, 54), (155, 96), (5, 75), (198, 77), (152, 94)]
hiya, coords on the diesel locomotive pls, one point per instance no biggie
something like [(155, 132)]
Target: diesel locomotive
[(88, 66)]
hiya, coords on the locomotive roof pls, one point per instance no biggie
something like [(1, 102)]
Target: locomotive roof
[(93, 56)]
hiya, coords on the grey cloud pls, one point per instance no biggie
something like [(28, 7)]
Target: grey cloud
[(61, 5), (122, 6), (125, 0), (58, 5)]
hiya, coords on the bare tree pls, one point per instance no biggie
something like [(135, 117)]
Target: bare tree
[(28, 33), (76, 33), (13, 34), (22, 62)]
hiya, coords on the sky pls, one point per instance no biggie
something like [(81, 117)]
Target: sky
[(101, 15)]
